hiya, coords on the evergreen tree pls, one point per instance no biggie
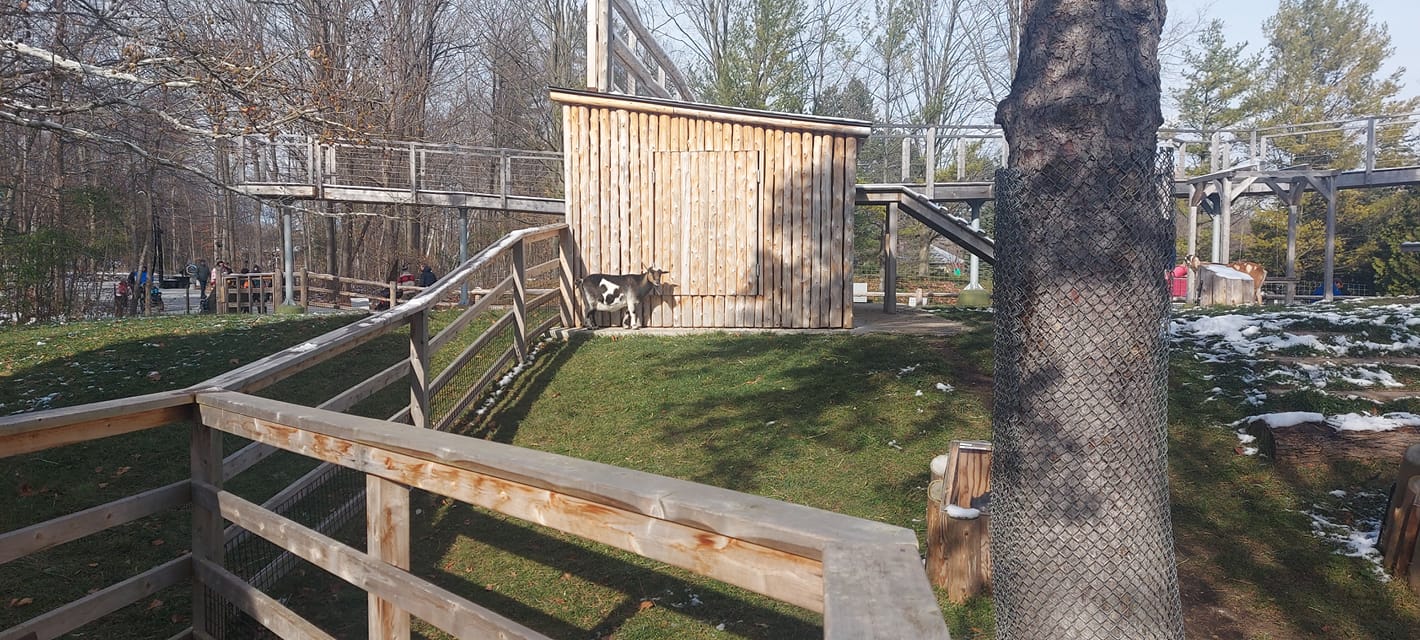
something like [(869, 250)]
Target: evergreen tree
[(1218, 78)]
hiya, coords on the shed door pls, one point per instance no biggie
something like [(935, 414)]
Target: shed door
[(707, 210)]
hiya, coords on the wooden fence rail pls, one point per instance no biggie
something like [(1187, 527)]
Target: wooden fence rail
[(865, 577)]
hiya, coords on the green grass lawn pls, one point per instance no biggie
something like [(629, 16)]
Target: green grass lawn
[(832, 421)]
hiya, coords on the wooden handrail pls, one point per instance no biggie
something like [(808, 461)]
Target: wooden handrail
[(40, 430)]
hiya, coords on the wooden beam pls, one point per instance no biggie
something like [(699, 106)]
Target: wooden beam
[(635, 69), (40, 430), (205, 453), (387, 540), (714, 113), (430, 603), (38, 537), (100, 603), (878, 593), (663, 61), (787, 527), (267, 611), (419, 369)]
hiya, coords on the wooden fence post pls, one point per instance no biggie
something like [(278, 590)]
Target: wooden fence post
[(394, 293), (1401, 558), (565, 279), (306, 289), (205, 450), (1409, 468), (520, 301), (387, 538), (958, 551)]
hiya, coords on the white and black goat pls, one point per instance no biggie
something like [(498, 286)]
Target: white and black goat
[(619, 292)]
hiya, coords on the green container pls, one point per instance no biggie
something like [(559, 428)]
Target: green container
[(974, 298)]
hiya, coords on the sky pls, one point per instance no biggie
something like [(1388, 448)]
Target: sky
[(1242, 21)]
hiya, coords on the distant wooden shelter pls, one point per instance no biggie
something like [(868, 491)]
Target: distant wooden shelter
[(752, 211)]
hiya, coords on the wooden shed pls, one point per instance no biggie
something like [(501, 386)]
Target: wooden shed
[(751, 211)]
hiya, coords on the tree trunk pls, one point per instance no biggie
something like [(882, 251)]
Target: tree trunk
[(1081, 536)]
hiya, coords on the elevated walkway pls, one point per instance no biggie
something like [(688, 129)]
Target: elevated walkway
[(917, 205)]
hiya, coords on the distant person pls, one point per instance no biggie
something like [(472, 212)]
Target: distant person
[(202, 274), (121, 291), (405, 277), (133, 298), (426, 275), (1336, 289), (143, 277)]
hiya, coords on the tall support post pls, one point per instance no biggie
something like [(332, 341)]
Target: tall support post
[(929, 162), (288, 254), (1327, 187), (331, 240), (598, 45), (906, 159), (1370, 148), (463, 253), (1217, 237), (205, 451), (1195, 195), (975, 282), (520, 301), (1294, 202), (1225, 208), (890, 261)]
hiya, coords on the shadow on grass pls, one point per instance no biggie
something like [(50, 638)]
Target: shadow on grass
[(481, 556)]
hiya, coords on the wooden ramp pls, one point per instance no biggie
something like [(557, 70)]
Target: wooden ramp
[(954, 228)]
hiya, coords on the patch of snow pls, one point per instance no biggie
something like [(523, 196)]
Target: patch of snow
[(894, 444), (1285, 419), (918, 394), (906, 370), (1352, 541), (1338, 493), (962, 513), (1364, 422), (945, 388), (939, 465), (303, 347)]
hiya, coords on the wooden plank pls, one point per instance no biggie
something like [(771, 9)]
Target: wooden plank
[(267, 611), (98, 604), (419, 367), (793, 219), (520, 299), (566, 285), (833, 245), (822, 222), (676, 233), (623, 178), (786, 576), (878, 592), (387, 540), (411, 593), (40, 430), (632, 203), (593, 243), (205, 453), (788, 527), (612, 215), (805, 228), (794, 123), (717, 223), (40, 536), (778, 148), (850, 179)]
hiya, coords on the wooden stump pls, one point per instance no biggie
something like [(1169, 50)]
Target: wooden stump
[(1409, 468), (1317, 443), (1225, 287), (1401, 560), (958, 549)]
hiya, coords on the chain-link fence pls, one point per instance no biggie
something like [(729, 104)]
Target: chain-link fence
[(1081, 539)]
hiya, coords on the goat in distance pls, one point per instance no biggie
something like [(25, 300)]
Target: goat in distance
[(620, 292), (1251, 269)]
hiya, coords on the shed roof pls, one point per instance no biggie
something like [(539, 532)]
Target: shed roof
[(775, 119)]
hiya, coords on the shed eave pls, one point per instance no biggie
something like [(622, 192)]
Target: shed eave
[(776, 119)]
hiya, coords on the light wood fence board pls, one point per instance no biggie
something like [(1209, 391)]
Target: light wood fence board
[(98, 604), (267, 611), (40, 536), (40, 430)]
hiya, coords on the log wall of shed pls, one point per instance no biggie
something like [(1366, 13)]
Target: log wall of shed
[(753, 220)]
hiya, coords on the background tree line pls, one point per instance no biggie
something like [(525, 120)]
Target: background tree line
[(114, 115), (1322, 61)]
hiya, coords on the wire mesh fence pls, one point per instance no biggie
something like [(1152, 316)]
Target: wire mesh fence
[(1081, 539)]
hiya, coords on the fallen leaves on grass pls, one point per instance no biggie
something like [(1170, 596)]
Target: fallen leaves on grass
[(20, 602)]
